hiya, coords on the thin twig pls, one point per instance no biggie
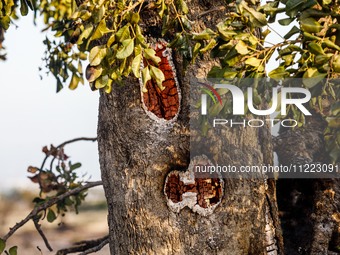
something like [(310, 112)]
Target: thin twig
[(38, 228), (93, 139), (218, 8), (132, 7), (97, 248), (48, 204), (86, 247)]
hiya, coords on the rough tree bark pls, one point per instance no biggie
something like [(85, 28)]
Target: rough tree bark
[(309, 207), (136, 154)]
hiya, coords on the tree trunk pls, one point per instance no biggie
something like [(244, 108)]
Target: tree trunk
[(309, 207), (138, 152)]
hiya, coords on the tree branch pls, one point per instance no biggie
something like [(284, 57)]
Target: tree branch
[(93, 139), (48, 204), (38, 228), (86, 247)]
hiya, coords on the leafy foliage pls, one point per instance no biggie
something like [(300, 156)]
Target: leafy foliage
[(59, 178), (111, 34)]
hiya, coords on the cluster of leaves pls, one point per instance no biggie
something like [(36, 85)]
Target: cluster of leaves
[(110, 32), (113, 35), (57, 179), (309, 52), (11, 251), (107, 32), (6, 12)]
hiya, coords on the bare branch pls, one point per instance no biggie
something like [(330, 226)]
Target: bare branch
[(48, 204), (97, 248), (93, 139), (86, 247), (38, 228)]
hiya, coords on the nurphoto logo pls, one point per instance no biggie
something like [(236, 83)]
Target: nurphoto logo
[(239, 105)]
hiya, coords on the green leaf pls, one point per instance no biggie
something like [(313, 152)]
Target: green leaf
[(126, 50), (333, 122), (204, 35), (85, 34), (308, 36), (330, 44), (51, 215), (135, 18), (326, 2), (101, 82), (145, 77), (279, 73), (293, 7), (123, 33), (310, 25), (13, 250), (253, 40), (23, 7), (100, 30), (209, 46), (82, 56), (229, 74), (4, 22), (292, 32), (98, 14), (162, 8), (196, 51), (108, 87), (319, 60), (158, 75), (97, 54), (2, 245), (286, 22), (256, 18), (140, 38), (312, 77), (336, 64), (242, 48), (233, 61), (111, 40), (136, 65), (151, 54), (289, 49), (265, 33), (225, 32), (183, 6), (315, 48), (75, 166), (252, 61), (74, 82)]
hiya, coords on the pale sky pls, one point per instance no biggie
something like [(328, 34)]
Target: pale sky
[(33, 114)]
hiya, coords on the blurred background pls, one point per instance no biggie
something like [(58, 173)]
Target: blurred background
[(33, 115)]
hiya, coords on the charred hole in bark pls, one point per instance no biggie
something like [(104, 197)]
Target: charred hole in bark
[(162, 102), (295, 202), (190, 189), (308, 207)]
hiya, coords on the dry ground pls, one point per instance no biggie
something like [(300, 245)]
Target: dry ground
[(89, 224)]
